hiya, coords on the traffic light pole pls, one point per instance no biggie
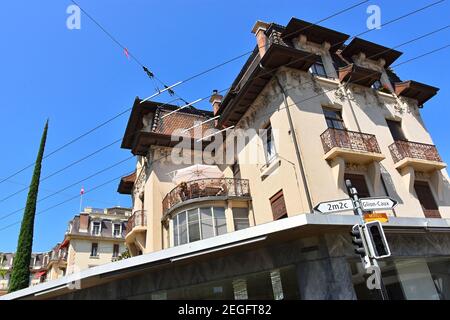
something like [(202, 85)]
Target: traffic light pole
[(359, 212)]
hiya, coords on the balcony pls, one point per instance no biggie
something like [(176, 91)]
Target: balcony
[(420, 156), (138, 220), (206, 189), (354, 147), (60, 255)]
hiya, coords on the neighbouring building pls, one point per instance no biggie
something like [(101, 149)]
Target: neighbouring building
[(237, 229), (94, 237), (38, 269)]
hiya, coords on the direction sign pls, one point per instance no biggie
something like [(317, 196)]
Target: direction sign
[(335, 206), (377, 203)]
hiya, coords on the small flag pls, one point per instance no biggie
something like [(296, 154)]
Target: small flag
[(125, 50), (82, 191)]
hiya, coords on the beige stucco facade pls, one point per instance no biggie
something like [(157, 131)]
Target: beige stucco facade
[(79, 254), (311, 175)]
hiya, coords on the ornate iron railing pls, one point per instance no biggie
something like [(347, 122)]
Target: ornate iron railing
[(138, 218), (214, 187), (60, 254), (352, 140), (401, 149)]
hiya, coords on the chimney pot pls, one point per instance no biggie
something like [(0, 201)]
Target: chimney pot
[(259, 30), (216, 100), (84, 222)]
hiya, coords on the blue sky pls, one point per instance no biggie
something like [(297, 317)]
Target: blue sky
[(78, 78)]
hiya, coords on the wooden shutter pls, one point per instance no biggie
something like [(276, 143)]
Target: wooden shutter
[(278, 206), (429, 206), (358, 182)]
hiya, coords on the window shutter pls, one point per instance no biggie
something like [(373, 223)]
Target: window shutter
[(278, 206), (426, 199)]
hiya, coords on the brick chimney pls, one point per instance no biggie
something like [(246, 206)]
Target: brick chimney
[(215, 100), (262, 41), (84, 222)]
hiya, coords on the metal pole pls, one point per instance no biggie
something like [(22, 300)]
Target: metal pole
[(358, 211), (297, 148)]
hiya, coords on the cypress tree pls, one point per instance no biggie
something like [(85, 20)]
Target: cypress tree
[(20, 276)]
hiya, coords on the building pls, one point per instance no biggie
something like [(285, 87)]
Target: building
[(38, 269), (314, 113), (94, 237)]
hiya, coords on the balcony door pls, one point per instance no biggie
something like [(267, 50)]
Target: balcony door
[(426, 199), (334, 118), (358, 182), (396, 130)]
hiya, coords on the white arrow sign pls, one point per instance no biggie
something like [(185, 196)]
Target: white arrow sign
[(382, 203), (335, 206)]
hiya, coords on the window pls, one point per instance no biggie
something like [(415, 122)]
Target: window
[(94, 250), (116, 230), (377, 85), (396, 129), (333, 118), (199, 223), (318, 68), (115, 250), (426, 199), (240, 218), (358, 182), (269, 147), (278, 206), (96, 228)]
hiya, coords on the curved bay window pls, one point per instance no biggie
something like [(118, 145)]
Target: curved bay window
[(197, 224)]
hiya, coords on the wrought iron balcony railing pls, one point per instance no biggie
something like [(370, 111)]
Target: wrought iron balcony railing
[(401, 149), (58, 255), (137, 219), (356, 141), (212, 187)]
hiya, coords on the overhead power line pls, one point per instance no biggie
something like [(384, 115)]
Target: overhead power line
[(294, 103), (77, 183), (208, 70), (151, 75), (86, 192)]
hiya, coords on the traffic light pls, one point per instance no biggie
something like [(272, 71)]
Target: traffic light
[(358, 241), (376, 240)]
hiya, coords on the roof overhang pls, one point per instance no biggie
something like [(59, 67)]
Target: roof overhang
[(139, 110), (358, 75), (259, 73), (303, 225), (126, 184), (415, 90), (314, 33), (372, 51), (144, 140)]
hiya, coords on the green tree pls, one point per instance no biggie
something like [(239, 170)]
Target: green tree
[(20, 276), (124, 255)]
